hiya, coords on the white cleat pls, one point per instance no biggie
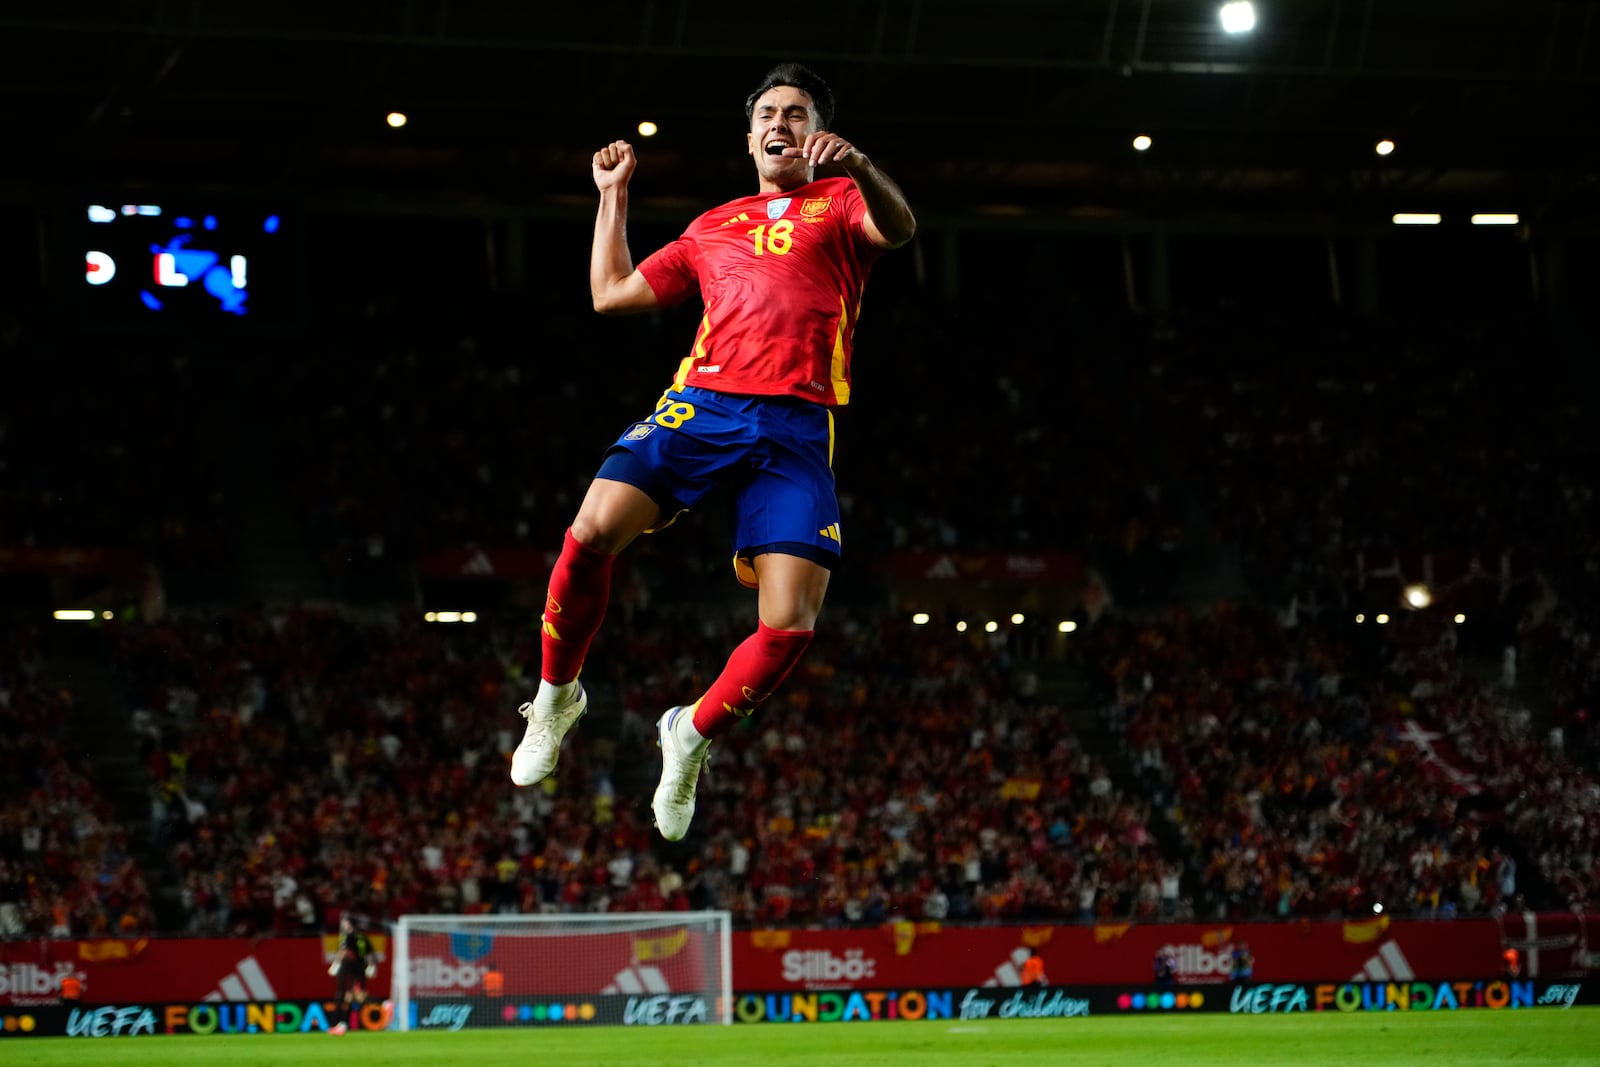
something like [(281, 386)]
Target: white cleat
[(673, 803), (548, 722)]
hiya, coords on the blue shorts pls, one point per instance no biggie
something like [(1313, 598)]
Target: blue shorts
[(774, 452)]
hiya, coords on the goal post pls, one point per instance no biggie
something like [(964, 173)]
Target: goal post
[(627, 968)]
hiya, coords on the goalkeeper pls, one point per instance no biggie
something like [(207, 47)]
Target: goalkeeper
[(353, 965)]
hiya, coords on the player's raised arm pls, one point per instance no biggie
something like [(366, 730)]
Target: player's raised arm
[(616, 286), (889, 222)]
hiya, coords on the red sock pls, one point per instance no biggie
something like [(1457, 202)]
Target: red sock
[(580, 587), (756, 668)]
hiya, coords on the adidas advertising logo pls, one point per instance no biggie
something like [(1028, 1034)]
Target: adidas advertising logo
[(1007, 973), (1390, 964), (247, 981), (635, 979)]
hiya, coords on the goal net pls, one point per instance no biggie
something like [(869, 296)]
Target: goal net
[(637, 969)]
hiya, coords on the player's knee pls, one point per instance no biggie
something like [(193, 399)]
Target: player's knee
[(598, 535), (612, 515), (798, 616)]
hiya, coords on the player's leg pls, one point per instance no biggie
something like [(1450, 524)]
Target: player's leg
[(657, 468), (790, 595), (791, 592), (787, 544), (345, 984), (612, 514)]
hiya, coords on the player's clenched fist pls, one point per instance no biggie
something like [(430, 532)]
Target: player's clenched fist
[(613, 165), (822, 147)]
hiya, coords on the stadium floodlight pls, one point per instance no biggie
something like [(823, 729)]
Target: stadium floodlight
[(1018, 618), (921, 618), (468, 971), (1237, 16), (1418, 596), (1460, 618), (961, 626), (1504, 218), (990, 627), (74, 615), (1067, 626), (1417, 218), (450, 616), (1142, 143), (1383, 147), (1361, 617), (396, 119), (1382, 620), (648, 129)]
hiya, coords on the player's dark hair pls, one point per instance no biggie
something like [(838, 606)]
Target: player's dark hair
[(803, 78)]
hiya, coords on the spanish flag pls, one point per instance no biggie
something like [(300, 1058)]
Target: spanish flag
[(108, 949), (1034, 936), (769, 940), (1105, 933), (1363, 930)]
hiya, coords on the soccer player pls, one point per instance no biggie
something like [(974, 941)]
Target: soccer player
[(353, 966), (781, 275)]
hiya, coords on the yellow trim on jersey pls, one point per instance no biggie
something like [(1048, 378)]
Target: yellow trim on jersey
[(841, 385), (830, 437), (681, 379)]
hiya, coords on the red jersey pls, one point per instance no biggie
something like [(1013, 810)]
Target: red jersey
[(781, 276)]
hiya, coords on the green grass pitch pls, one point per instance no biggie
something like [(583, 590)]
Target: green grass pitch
[(1454, 1039)]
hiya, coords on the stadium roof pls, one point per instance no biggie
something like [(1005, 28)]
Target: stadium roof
[(1000, 101)]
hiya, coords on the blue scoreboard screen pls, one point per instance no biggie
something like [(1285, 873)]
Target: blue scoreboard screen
[(188, 266)]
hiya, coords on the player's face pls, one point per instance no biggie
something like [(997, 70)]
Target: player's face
[(781, 119)]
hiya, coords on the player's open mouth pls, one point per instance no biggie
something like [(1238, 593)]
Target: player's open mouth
[(776, 148)]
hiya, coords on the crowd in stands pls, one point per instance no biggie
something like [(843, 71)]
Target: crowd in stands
[(311, 761), (65, 864), (303, 761), (1305, 784)]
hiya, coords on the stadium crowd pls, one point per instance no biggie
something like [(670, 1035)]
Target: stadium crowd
[(310, 761), (379, 747), (1305, 786), (65, 864)]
